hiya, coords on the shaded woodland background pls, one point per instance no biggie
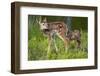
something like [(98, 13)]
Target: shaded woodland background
[(38, 43)]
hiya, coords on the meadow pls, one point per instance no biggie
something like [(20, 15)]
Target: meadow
[(38, 44)]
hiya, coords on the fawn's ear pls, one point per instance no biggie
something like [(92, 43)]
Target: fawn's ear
[(38, 20), (45, 19)]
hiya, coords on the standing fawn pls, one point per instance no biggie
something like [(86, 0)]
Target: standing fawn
[(74, 35), (54, 28), (57, 28)]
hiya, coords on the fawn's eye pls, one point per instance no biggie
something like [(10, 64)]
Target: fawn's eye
[(43, 24)]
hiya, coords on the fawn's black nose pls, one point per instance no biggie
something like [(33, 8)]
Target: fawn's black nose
[(46, 31)]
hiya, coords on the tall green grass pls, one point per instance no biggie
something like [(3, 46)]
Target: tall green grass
[(38, 44)]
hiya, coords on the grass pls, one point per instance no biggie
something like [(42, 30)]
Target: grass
[(38, 44)]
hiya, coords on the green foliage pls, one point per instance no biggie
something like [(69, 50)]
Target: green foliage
[(38, 44), (78, 22)]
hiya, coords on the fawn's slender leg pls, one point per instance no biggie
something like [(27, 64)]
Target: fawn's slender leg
[(63, 37), (55, 43), (65, 43), (49, 43), (78, 43)]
